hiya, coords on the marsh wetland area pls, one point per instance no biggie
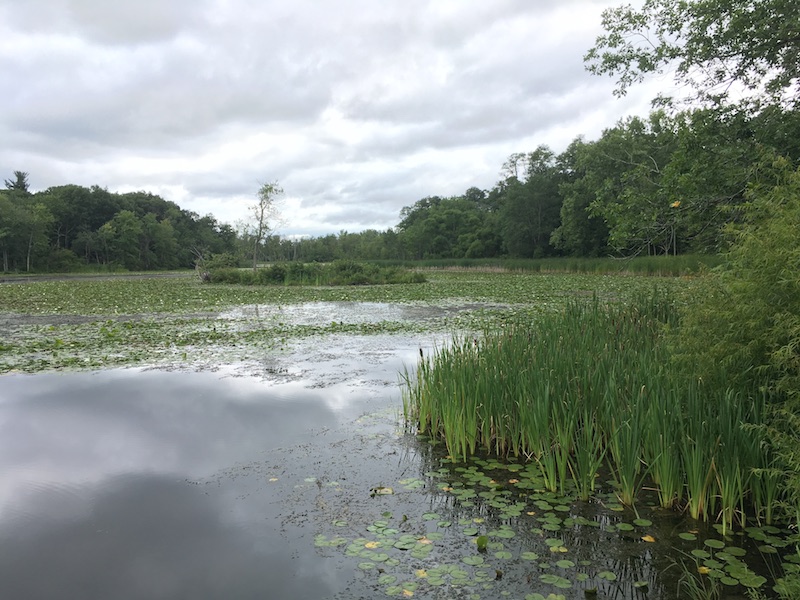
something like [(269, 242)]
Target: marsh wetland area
[(166, 438)]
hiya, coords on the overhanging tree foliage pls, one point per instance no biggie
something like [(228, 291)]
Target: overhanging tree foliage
[(719, 48)]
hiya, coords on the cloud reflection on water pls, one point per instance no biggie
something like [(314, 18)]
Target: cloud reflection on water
[(99, 473)]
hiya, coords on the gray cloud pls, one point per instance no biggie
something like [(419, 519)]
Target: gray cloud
[(357, 108)]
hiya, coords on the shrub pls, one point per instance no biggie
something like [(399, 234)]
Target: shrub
[(221, 261), (274, 274), (743, 333), (225, 275), (62, 260), (745, 325)]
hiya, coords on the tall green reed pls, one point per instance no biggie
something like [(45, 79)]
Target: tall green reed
[(594, 383), (587, 455)]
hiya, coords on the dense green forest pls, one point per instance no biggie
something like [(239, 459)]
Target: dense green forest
[(70, 227), (667, 184)]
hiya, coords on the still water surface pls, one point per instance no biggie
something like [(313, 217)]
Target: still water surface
[(151, 484)]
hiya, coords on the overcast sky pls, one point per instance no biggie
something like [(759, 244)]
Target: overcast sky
[(356, 107)]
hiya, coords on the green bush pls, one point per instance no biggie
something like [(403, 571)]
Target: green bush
[(743, 332), (745, 325), (228, 275), (274, 274), (62, 260), (221, 261)]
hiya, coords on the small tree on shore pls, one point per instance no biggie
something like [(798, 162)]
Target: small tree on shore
[(264, 212)]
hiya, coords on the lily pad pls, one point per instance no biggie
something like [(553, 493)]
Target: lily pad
[(565, 564), (753, 581), (503, 533), (555, 580)]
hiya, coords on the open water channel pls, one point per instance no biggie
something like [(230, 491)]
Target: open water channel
[(292, 477)]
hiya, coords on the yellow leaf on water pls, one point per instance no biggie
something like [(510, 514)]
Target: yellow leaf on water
[(421, 573), (424, 540), (372, 545), (408, 593), (273, 479), (513, 481), (648, 538)]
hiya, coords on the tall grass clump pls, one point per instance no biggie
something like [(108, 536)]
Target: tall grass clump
[(589, 387)]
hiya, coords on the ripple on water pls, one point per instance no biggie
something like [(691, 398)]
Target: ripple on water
[(39, 503)]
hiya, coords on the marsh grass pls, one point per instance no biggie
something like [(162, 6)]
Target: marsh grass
[(593, 383), (641, 265)]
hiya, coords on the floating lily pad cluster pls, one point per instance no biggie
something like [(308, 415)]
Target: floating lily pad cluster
[(495, 533), (89, 324)]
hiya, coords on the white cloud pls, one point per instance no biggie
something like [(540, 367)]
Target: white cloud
[(357, 108)]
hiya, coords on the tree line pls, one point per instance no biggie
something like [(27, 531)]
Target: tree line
[(70, 227), (665, 184)]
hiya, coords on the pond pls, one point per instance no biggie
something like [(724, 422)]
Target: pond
[(292, 477), (144, 483)]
